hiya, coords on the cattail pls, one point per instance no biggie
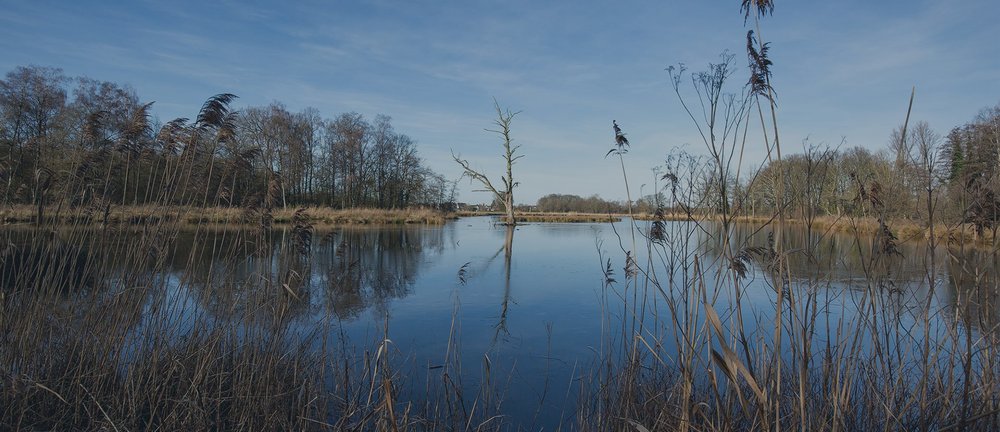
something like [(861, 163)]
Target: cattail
[(886, 240), (760, 68), (609, 273), (462, 272), (763, 7), (621, 143), (302, 228), (215, 112)]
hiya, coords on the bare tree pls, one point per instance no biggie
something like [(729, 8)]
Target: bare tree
[(100, 148), (818, 159), (927, 143), (31, 99), (504, 195)]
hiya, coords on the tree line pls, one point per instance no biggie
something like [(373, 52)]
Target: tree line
[(576, 203), (919, 175), (95, 142)]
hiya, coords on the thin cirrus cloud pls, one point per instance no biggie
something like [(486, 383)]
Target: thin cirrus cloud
[(842, 69)]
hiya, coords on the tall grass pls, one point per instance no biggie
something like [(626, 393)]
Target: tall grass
[(820, 353), (99, 329)]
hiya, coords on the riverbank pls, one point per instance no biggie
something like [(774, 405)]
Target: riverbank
[(136, 215), (905, 230), (568, 217), (254, 329)]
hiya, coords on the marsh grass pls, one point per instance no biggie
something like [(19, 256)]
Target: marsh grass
[(97, 335), (567, 217), (96, 332), (871, 356), (818, 352), (557, 217), (950, 235), (105, 324), (193, 215)]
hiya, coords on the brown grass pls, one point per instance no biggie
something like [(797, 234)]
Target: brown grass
[(566, 217), (904, 229), (135, 215), (89, 341), (569, 217)]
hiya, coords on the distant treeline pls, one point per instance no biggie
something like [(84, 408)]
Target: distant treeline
[(593, 204), (93, 141), (575, 203), (919, 175)]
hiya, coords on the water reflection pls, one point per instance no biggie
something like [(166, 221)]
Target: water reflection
[(405, 277), (957, 281), (508, 250), (346, 272), (28, 261), (350, 271), (972, 288)]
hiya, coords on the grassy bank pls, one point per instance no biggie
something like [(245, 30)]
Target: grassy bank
[(135, 215), (904, 229), (90, 341), (568, 217)]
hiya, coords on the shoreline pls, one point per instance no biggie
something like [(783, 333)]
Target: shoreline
[(905, 230), (140, 215)]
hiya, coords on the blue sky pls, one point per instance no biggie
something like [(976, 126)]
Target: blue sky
[(842, 69)]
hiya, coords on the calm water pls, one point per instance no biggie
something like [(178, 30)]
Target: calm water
[(535, 313)]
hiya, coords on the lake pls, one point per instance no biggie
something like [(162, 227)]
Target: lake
[(519, 319)]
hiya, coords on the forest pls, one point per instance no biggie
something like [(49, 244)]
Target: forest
[(99, 143), (950, 179), (920, 177)]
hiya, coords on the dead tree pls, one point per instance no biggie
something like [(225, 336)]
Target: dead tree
[(505, 194)]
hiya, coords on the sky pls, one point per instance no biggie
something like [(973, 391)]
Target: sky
[(843, 71)]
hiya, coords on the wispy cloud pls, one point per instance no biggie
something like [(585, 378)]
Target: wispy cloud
[(841, 68)]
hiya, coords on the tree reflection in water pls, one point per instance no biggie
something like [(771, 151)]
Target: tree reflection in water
[(347, 271), (508, 250), (973, 289), (959, 281)]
